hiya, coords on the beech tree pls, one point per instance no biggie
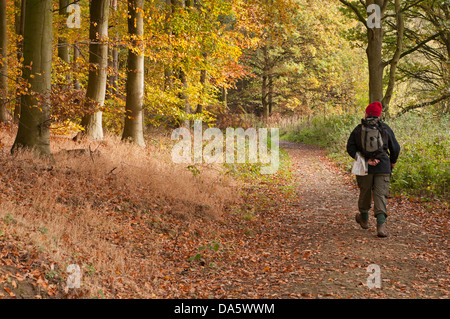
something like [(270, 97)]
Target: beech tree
[(19, 25), (134, 115), (63, 46), (98, 64), (113, 62), (3, 63), (302, 64), (34, 122)]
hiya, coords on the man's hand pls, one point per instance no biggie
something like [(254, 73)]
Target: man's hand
[(392, 166), (373, 162)]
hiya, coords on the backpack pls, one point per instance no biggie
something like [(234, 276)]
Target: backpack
[(372, 138)]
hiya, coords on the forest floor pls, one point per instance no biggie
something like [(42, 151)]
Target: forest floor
[(289, 236), (302, 241)]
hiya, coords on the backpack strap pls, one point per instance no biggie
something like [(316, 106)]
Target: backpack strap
[(384, 137), (358, 134)]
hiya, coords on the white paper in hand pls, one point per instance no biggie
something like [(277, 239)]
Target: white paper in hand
[(360, 166)]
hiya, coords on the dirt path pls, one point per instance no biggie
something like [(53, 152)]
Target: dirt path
[(289, 238), (335, 252), (298, 239)]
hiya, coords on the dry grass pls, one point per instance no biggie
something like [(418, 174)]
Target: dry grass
[(108, 211)]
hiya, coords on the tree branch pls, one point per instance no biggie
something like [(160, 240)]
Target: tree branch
[(355, 9), (394, 61), (418, 46), (417, 106), (407, 7)]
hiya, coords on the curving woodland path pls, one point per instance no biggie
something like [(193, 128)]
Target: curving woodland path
[(303, 242)]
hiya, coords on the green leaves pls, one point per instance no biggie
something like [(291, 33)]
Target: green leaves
[(203, 253)]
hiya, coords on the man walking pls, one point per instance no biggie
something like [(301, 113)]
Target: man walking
[(376, 141)]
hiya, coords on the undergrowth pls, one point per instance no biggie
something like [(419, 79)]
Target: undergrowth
[(423, 166)]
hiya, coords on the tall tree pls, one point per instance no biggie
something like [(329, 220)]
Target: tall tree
[(168, 30), (3, 63), (113, 62), (374, 44), (384, 55), (134, 115), (302, 63), (182, 74), (34, 123), (63, 46), (19, 24), (76, 55), (98, 63)]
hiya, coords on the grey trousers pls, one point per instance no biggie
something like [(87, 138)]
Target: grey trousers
[(376, 187)]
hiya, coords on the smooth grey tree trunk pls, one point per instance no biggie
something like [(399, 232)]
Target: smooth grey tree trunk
[(134, 114), (182, 76), (4, 115), (98, 61), (34, 122), (63, 47)]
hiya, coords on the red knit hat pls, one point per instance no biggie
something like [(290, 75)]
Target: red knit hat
[(374, 109)]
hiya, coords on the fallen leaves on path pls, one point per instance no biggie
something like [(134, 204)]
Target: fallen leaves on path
[(291, 236)]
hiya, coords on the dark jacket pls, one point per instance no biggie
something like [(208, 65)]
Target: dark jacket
[(384, 167)]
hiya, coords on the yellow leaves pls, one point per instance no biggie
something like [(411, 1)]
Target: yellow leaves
[(312, 50), (65, 128), (313, 82)]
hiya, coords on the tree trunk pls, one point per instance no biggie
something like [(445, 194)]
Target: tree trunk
[(168, 31), (113, 78), (374, 48), (199, 109), (374, 56), (4, 116), (446, 67), (76, 55), (182, 76), (98, 61), (33, 131), (270, 96), (264, 85), (134, 115), (113, 60), (19, 26), (184, 95), (224, 97), (63, 47), (203, 74), (375, 66), (265, 105), (394, 62)]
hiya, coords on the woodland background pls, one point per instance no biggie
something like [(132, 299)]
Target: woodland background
[(136, 69)]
